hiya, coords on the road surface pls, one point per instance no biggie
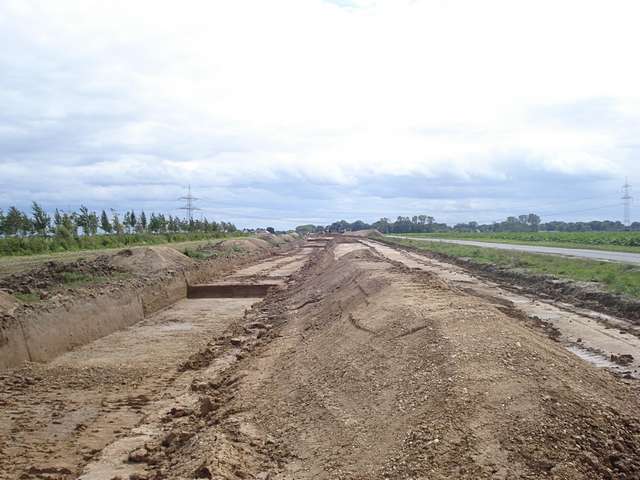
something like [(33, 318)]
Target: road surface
[(623, 257)]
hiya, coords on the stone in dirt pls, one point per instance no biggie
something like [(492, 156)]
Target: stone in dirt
[(624, 359), (202, 471), (8, 303), (258, 325), (139, 455)]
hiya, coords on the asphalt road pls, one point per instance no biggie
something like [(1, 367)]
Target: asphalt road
[(622, 257)]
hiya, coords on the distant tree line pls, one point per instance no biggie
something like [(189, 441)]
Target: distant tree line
[(427, 224), (88, 223), (40, 232)]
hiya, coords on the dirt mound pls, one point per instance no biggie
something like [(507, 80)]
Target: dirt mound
[(423, 381), (287, 237), (55, 274), (272, 239), (243, 245), (148, 260), (371, 233)]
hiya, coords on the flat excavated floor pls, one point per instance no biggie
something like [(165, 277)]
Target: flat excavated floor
[(56, 417)]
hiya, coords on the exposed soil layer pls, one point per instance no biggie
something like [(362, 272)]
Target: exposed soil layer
[(581, 294), (150, 260), (357, 368), (66, 305), (63, 417), (54, 274)]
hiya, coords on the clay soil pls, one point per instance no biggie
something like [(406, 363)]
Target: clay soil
[(359, 367)]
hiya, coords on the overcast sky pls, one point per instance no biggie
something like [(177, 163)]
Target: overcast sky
[(281, 112)]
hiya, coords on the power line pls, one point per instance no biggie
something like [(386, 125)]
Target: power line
[(580, 211), (189, 205), (626, 197)]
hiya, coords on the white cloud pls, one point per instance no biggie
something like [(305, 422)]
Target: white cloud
[(247, 91)]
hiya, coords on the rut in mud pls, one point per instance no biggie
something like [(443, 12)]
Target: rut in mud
[(360, 368)]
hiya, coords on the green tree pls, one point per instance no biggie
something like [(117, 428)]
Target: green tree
[(2, 220), (41, 221), (143, 221), (69, 222), (117, 226), (133, 221), (14, 222), (92, 223), (534, 221), (127, 221), (83, 219), (57, 218), (105, 225)]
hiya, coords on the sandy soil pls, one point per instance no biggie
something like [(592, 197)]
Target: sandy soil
[(596, 337), (59, 418), (362, 366)]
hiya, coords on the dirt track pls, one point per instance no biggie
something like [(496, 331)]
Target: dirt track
[(360, 367)]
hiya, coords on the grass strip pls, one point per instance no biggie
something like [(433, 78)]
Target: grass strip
[(614, 277), (529, 240)]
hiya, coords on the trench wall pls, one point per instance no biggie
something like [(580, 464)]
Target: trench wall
[(44, 335)]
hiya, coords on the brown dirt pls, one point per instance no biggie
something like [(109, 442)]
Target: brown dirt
[(582, 294), (55, 274), (371, 233), (377, 371), (274, 240), (7, 303), (361, 368), (250, 245), (61, 417), (149, 260)]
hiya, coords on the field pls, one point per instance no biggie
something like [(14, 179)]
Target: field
[(614, 241)]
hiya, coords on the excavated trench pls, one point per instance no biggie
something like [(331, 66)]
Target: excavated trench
[(356, 365), (230, 290), (75, 414)]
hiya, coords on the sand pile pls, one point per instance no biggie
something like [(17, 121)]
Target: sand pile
[(371, 233), (147, 260), (271, 238), (249, 245)]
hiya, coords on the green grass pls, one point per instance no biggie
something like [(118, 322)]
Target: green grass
[(27, 297), (614, 277), (76, 279), (612, 241)]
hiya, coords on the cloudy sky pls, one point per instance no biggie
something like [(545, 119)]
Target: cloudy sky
[(281, 112)]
